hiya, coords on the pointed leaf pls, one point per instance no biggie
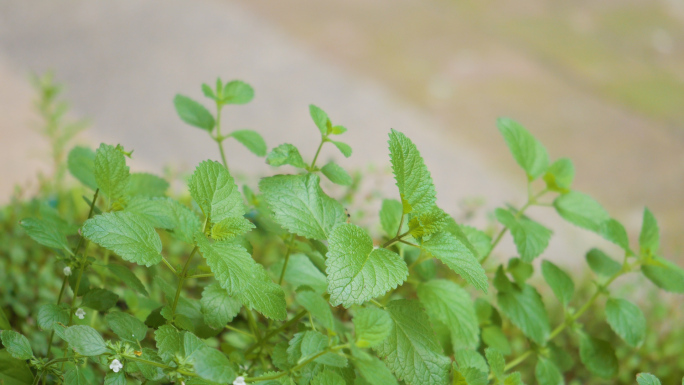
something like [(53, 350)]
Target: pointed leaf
[(531, 238), (320, 118), (252, 140), (285, 154), (664, 274), (581, 210), (547, 372), (81, 164), (193, 113), (524, 307), (649, 238), (126, 326), (85, 340), (344, 148), (626, 320), (45, 233), (455, 254), (648, 379), (16, 344), (372, 326), (336, 174), (214, 190), (598, 356), (237, 92), (149, 185), (559, 281), (218, 307), (526, 149), (602, 264), (111, 173), (413, 178)]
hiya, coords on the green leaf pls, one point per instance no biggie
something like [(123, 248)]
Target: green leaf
[(413, 178), (46, 233), (252, 140), (214, 190), (559, 281), (356, 271), (615, 232), (118, 378), (469, 376), (514, 379), (338, 130), (521, 271), (169, 342), (448, 303), (230, 228), (186, 222), (193, 113), (429, 222), (285, 154), (547, 372), (626, 320), (317, 307), (581, 210), (411, 351), (372, 326), (100, 299), (126, 276), (213, 365), (218, 307), (598, 356), (81, 164), (328, 377), (149, 185), (496, 362), (320, 118), (127, 235), (4, 323), (314, 343), (336, 174), (301, 206), (49, 314), (208, 92), (374, 371), (649, 238), (531, 238), (470, 359), (390, 216), (560, 175), (302, 272), (14, 371), (458, 256), (241, 276), (344, 148), (664, 274), (602, 264), (237, 92), (126, 326), (85, 340), (156, 212), (524, 307), (647, 379), (111, 173), (75, 377), (480, 241), (495, 338), (16, 344), (526, 149)]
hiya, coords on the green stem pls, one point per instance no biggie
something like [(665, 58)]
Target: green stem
[(395, 239), (181, 279), (284, 326), (78, 281), (36, 379), (169, 265), (207, 275), (240, 331), (313, 163), (219, 138), (59, 299), (253, 325), (287, 259), (159, 365), (296, 368), (378, 304)]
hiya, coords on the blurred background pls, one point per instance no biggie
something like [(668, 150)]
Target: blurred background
[(601, 82)]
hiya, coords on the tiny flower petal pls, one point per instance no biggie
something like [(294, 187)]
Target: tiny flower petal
[(239, 381), (80, 313), (67, 271), (116, 365)]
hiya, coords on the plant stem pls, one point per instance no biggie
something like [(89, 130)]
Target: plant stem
[(169, 265), (395, 239), (313, 163), (181, 279), (159, 365), (206, 275), (240, 331), (296, 368), (78, 281), (253, 325), (59, 299), (287, 259), (219, 138), (284, 326)]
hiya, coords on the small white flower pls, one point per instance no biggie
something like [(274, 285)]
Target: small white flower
[(239, 381), (80, 313), (116, 365), (67, 271)]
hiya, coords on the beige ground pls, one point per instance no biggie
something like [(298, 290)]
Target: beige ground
[(420, 67)]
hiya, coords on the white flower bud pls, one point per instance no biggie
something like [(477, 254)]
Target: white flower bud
[(239, 381), (80, 313), (67, 271), (116, 365)]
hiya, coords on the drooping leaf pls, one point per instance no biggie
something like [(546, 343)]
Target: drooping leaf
[(262, 294), (598, 356), (285, 154), (602, 264), (214, 190), (128, 277), (413, 178), (81, 164), (229, 262), (46, 233), (627, 320), (100, 299), (252, 140), (336, 174), (356, 271), (111, 173), (547, 372), (411, 351), (16, 344), (85, 340), (193, 113), (126, 326), (664, 274), (372, 326), (615, 232), (454, 253), (530, 154), (524, 307), (127, 235), (218, 307), (581, 210), (531, 238), (559, 281), (344, 148), (301, 206), (317, 307), (448, 303)]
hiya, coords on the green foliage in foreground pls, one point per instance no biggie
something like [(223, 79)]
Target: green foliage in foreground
[(280, 286)]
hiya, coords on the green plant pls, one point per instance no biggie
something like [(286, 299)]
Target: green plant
[(282, 287)]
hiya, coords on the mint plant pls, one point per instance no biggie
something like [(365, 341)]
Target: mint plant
[(281, 286)]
